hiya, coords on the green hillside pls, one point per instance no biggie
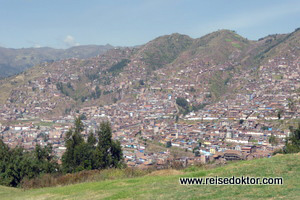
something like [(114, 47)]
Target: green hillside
[(217, 47), (164, 50), (165, 184)]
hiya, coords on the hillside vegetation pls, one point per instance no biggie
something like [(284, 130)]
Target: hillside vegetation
[(165, 184), (219, 47), (163, 50)]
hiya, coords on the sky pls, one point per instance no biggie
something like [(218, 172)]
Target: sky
[(66, 23)]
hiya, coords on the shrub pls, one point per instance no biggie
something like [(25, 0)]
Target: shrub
[(51, 180)]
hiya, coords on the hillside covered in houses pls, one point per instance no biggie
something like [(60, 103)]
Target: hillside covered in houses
[(217, 98)]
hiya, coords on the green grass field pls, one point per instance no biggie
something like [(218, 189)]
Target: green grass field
[(165, 184)]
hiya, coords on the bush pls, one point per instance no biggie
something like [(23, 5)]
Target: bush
[(177, 165), (51, 180)]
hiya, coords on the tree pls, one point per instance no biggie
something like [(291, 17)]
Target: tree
[(83, 98), (198, 107), (81, 155), (141, 82), (97, 92), (84, 157), (192, 89), (4, 159), (109, 151), (182, 102), (292, 144), (91, 139), (73, 140), (279, 113), (17, 164), (176, 118), (83, 116), (168, 144), (69, 85), (117, 155), (291, 104), (200, 142), (273, 140), (44, 161)]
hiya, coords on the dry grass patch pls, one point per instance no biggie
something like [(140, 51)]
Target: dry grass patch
[(166, 172)]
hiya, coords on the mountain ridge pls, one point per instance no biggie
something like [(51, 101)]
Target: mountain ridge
[(14, 61), (162, 61)]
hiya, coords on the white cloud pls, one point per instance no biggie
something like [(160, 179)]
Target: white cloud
[(70, 41), (37, 45)]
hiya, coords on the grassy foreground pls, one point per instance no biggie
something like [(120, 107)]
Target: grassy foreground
[(165, 184)]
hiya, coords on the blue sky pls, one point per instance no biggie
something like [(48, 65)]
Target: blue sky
[(65, 23)]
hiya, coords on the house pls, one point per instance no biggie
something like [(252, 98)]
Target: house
[(233, 155), (249, 149)]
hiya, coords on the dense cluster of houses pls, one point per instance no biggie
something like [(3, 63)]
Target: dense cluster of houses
[(238, 127)]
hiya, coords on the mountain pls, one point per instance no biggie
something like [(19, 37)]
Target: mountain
[(164, 184), (163, 50), (14, 61), (85, 51), (217, 47), (205, 70), (287, 45)]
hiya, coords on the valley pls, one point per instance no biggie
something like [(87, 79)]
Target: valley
[(235, 94)]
